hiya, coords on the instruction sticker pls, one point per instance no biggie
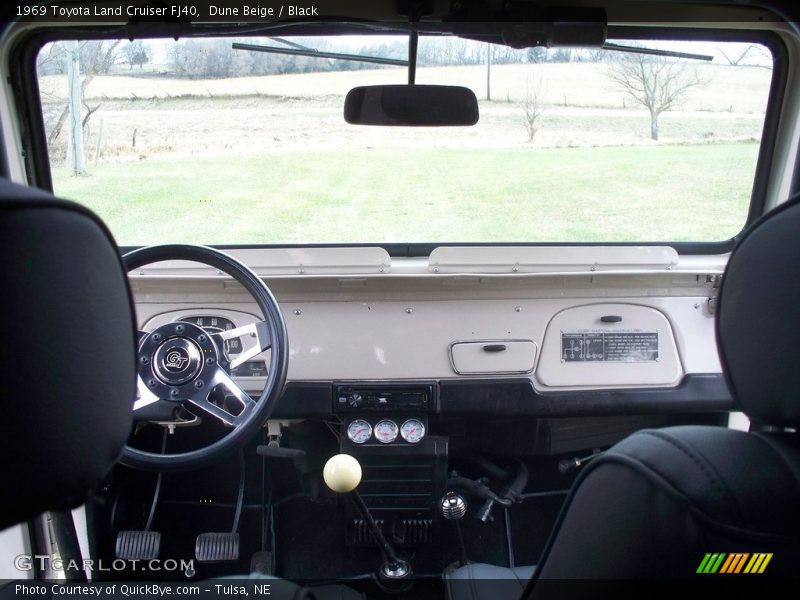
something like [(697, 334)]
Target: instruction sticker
[(629, 345)]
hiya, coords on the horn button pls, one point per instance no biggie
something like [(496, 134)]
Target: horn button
[(177, 361), (174, 355)]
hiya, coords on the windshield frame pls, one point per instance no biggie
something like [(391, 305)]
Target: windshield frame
[(36, 156)]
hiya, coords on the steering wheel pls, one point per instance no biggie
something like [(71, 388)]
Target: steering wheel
[(180, 363)]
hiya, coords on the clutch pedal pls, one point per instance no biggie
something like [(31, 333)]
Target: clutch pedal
[(138, 545)]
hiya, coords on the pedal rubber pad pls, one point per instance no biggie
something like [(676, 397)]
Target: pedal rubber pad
[(138, 545), (217, 547)]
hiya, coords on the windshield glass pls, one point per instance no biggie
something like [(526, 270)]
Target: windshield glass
[(195, 141)]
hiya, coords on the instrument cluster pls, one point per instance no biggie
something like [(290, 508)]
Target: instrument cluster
[(218, 324)]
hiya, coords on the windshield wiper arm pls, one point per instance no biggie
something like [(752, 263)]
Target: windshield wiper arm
[(655, 52), (292, 44), (318, 54)]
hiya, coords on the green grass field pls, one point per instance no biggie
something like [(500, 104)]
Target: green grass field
[(658, 193)]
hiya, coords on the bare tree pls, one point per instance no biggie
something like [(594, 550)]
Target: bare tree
[(655, 82), (52, 59), (96, 58), (747, 55), (136, 53), (532, 106)]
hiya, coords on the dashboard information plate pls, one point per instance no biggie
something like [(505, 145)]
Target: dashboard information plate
[(621, 345)]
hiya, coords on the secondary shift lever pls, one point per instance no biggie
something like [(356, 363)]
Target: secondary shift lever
[(342, 474)]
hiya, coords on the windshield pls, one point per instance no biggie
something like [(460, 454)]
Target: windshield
[(195, 141)]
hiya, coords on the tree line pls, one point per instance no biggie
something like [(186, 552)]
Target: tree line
[(215, 58)]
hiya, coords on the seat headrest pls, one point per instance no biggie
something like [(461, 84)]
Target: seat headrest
[(758, 319), (67, 353)]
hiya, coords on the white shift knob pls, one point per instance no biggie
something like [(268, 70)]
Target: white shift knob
[(342, 473)]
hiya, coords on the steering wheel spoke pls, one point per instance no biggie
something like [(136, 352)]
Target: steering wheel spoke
[(202, 399), (144, 397), (258, 332)]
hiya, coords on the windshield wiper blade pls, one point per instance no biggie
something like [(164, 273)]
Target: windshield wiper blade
[(318, 54), (655, 52)]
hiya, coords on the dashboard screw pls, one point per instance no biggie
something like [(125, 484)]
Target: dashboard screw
[(144, 360), (151, 383), (409, 311), (298, 312), (517, 309), (156, 337), (179, 329), (199, 384), (209, 361), (173, 392), (201, 338)]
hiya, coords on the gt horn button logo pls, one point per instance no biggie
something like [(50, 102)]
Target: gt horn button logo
[(176, 360)]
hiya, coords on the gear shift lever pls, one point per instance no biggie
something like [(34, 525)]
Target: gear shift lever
[(342, 474)]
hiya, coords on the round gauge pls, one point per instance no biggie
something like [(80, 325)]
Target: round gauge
[(359, 431), (217, 325), (412, 431), (386, 431)]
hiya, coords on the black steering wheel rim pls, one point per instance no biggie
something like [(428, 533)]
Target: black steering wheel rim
[(279, 357)]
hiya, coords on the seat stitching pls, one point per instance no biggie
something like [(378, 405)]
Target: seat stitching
[(707, 469), (688, 452)]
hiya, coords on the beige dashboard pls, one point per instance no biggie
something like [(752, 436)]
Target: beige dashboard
[(592, 321)]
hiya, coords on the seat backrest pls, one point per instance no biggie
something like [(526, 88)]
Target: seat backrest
[(67, 353), (656, 504)]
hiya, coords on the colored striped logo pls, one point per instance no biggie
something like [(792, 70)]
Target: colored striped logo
[(735, 562)]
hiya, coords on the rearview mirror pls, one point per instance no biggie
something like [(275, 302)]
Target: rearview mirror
[(411, 106)]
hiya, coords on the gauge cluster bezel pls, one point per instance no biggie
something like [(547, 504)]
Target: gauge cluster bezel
[(374, 422)]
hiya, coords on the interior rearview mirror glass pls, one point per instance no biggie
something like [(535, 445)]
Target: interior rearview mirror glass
[(411, 106)]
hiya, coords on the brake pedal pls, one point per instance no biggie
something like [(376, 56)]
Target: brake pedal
[(138, 545), (217, 547)]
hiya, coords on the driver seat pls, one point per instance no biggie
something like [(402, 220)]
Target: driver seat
[(657, 504), (68, 353)]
